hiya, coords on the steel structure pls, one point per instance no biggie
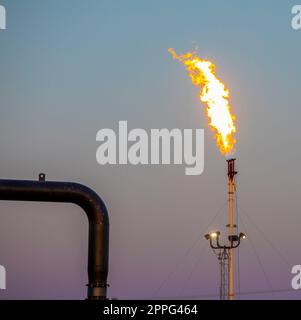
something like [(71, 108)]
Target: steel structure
[(225, 252), (93, 206)]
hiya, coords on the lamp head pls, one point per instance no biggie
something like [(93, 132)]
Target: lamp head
[(242, 236), (212, 235)]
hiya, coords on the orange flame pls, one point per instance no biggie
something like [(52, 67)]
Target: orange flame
[(215, 95)]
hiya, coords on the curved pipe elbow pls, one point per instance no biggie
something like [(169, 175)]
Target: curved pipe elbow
[(90, 202)]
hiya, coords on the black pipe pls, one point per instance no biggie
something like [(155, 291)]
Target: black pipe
[(90, 202)]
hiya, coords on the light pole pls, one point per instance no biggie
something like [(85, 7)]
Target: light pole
[(224, 255)]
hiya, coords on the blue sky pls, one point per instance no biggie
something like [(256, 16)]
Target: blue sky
[(69, 68)]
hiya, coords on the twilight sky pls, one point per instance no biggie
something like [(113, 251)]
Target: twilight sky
[(69, 68)]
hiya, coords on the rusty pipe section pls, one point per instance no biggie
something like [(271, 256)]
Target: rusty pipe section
[(93, 206)]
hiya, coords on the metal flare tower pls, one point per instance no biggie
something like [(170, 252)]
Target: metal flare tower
[(225, 252), (231, 175)]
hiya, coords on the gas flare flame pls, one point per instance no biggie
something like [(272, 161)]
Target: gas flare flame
[(215, 95)]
